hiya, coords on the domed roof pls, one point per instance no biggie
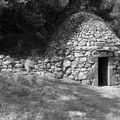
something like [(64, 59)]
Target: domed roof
[(83, 31)]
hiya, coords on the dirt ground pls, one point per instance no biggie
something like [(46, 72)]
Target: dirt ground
[(58, 100)]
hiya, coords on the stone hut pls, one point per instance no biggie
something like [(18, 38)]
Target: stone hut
[(85, 49)]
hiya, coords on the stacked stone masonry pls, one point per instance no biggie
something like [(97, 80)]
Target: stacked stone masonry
[(77, 43), (74, 51)]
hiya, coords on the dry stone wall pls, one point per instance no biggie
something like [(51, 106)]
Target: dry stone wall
[(76, 44), (74, 51)]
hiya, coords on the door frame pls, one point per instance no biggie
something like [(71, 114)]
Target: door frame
[(109, 73)]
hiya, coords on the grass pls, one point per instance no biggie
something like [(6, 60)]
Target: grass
[(35, 98)]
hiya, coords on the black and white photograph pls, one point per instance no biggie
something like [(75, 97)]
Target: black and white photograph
[(59, 59)]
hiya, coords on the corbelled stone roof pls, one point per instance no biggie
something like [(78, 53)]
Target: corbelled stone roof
[(83, 31)]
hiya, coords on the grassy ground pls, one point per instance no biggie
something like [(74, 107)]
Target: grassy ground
[(49, 99)]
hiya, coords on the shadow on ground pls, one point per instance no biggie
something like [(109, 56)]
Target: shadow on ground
[(56, 100)]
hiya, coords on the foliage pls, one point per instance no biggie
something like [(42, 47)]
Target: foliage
[(21, 21), (24, 23)]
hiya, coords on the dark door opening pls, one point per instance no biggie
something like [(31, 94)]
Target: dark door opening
[(102, 71)]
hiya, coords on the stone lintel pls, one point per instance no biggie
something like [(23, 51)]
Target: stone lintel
[(104, 53)]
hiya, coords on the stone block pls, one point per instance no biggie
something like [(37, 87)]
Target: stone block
[(46, 60), (69, 43), (75, 63), (88, 44), (87, 33), (106, 48), (65, 76), (85, 82), (58, 69), (68, 71), (28, 65), (76, 78), (67, 63), (9, 66), (93, 39), (49, 75), (78, 54), (58, 75), (78, 48), (77, 59), (64, 68), (9, 70), (35, 66), (85, 48), (40, 62), (82, 76), (18, 65), (97, 35), (60, 52), (91, 35), (106, 37), (85, 36), (87, 65), (83, 59), (83, 69), (3, 70), (93, 47), (114, 48), (88, 53), (81, 65), (72, 77), (75, 43), (48, 65), (17, 62), (2, 56), (71, 57), (58, 64), (56, 59), (82, 43), (92, 60), (7, 62), (114, 67), (0, 63), (4, 66)]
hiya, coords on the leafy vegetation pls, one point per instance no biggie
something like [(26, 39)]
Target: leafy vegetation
[(29, 24)]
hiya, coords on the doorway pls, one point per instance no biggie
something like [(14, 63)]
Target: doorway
[(102, 71)]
